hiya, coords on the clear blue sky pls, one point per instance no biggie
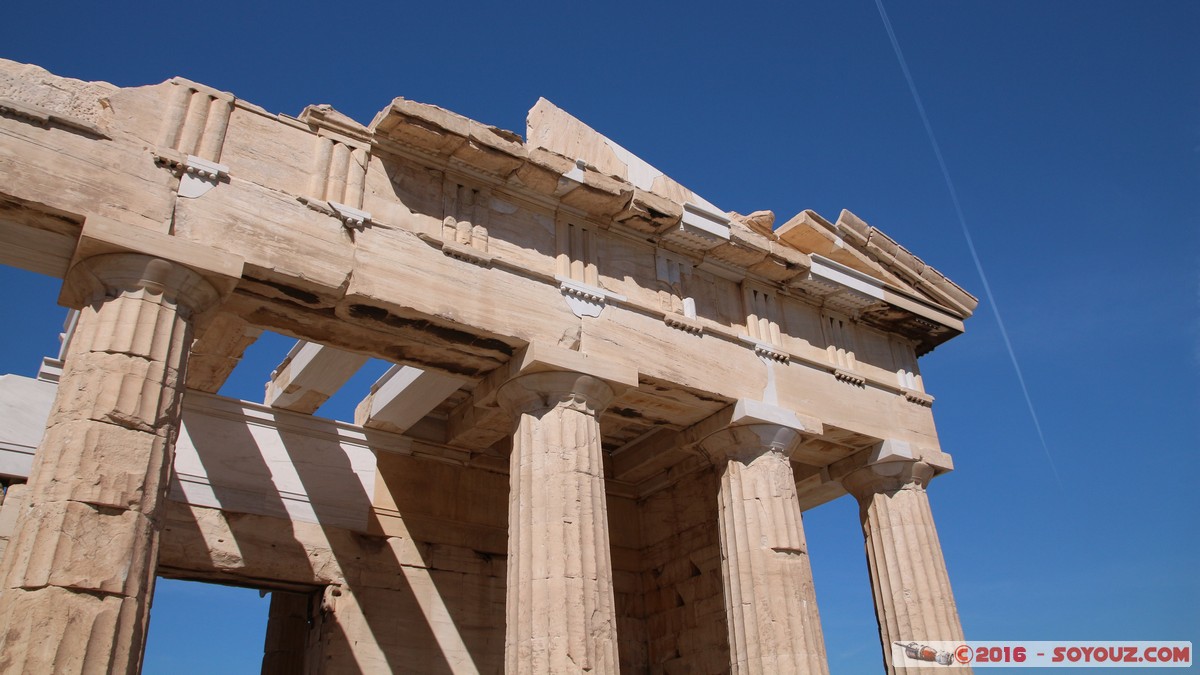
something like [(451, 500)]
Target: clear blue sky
[(1072, 131)]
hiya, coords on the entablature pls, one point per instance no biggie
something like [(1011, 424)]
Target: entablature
[(692, 226), (477, 245)]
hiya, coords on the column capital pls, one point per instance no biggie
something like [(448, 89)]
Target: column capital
[(750, 441), (756, 428), (542, 390), (563, 373), (105, 276), (113, 257), (887, 477)]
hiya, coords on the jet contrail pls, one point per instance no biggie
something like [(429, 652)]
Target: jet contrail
[(962, 221)]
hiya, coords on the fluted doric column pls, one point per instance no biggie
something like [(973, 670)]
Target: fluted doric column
[(560, 606), (770, 602), (79, 572), (913, 600), (285, 650)]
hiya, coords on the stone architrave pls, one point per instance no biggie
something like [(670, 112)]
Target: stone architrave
[(560, 605), (770, 602), (79, 572), (910, 584)]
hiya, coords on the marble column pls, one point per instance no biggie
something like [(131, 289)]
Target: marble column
[(285, 648), (79, 572), (560, 607), (770, 603), (913, 600)]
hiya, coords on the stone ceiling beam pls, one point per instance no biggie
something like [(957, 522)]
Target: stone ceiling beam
[(476, 427), (216, 353), (647, 455), (402, 397), (309, 375)]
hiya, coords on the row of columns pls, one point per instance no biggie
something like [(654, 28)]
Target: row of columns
[(560, 610), (79, 573)]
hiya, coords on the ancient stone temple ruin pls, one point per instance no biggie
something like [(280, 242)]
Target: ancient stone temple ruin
[(610, 405)]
